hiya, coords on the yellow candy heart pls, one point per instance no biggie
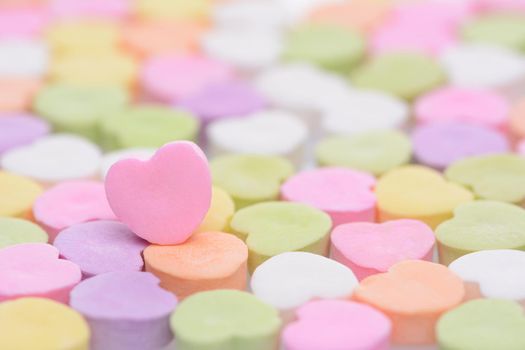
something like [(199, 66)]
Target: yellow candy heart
[(43, 324), (221, 211), (17, 195), (418, 192)]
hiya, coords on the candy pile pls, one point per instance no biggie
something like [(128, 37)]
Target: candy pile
[(262, 174)]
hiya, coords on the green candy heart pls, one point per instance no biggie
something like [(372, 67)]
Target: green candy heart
[(331, 47), (499, 29), (225, 320), (78, 109), (147, 126), (16, 231), (404, 75), (376, 151), (484, 324), (497, 177), (481, 225), (272, 228), (250, 179)]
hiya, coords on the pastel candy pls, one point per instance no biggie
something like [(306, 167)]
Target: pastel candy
[(197, 10), (369, 248), (78, 109), (23, 58), (164, 199), (346, 195), (20, 129), (481, 225), (147, 126), (54, 158), (249, 14), (101, 246), (220, 213), (521, 148), (363, 110), (413, 294), (250, 179), (206, 261), (337, 324), (83, 36), (145, 39), (362, 15), (403, 75), (499, 29), (496, 177), (289, 280), (329, 46), (169, 78), (482, 273), (517, 119), (70, 203), (466, 66), (16, 231), (26, 21), (462, 104), (440, 144), (17, 93), (140, 318), (17, 195), (111, 158), (225, 319), (248, 50), (482, 325), (109, 68), (65, 330), (375, 152), (271, 132), (110, 9), (223, 100), (417, 192), (34, 269), (272, 228)]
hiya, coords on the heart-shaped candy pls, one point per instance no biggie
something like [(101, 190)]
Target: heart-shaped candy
[(164, 199), (368, 248)]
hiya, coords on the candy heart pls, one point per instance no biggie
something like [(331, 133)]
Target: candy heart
[(54, 158), (37, 323), (483, 325), (417, 192), (250, 179), (20, 129), (164, 199), (220, 213), (34, 269), (413, 294), (337, 325), (499, 29), (481, 225), (272, 228), (346, 195), (225, 320), (495, 177), (368, 248), (272, 133), (15, 231), (495, 274), (374, 151), (288, 280), (125, 310), (23, 58), (17, 195)]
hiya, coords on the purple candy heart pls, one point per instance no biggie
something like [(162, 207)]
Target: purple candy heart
[(20, 129)]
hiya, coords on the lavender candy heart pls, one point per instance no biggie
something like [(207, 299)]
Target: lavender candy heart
[(439, 144), (20, 129), (125, 310), (222, 100), (101, 246)]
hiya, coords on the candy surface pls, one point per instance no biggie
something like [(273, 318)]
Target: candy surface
[(15, 231)]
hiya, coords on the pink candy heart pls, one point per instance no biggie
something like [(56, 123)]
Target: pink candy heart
[(164, 199)]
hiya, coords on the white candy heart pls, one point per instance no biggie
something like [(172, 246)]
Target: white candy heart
[(268, 132), (291, 279), (364, 110), (499, 273), (112, 157), (23, 58), (249, 14), (483, 66), (54, 158), (248, 50)]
